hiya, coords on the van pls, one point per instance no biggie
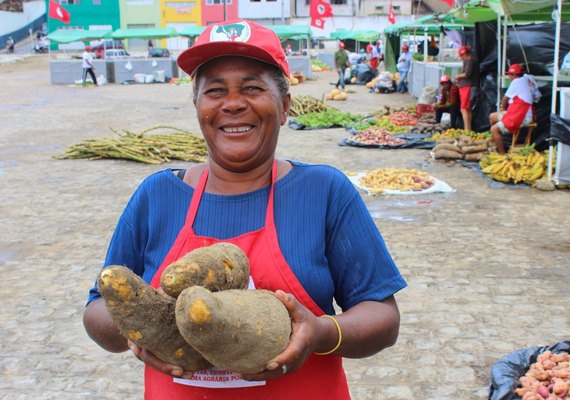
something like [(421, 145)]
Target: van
[(116, 53)]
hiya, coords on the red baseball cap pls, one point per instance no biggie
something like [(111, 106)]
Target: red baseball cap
[(341, 45), (87, 48), (405, 47), (235, 38), (516, 69), (464, 50), (444, 78)]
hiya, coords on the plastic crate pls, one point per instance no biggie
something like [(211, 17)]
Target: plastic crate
[(422, 109)]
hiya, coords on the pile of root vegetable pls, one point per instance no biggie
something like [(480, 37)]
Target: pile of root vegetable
[(462, 148), (547, 379), (428, 125), (301, 105), (379, 180), (204, 315), (376, 136), (142, 147), (526, 166)]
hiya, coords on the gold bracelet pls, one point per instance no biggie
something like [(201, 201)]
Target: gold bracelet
[(339, 336)]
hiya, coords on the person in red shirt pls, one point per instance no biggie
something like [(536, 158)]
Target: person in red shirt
[(448, 102), (467, 82)]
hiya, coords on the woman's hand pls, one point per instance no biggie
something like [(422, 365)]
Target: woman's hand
[(302, 342), (154, 362)]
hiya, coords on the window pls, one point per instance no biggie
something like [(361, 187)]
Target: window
[(96, 2), (379, 8), (212, 2), (396, 8), (70, 2), (338, 2)]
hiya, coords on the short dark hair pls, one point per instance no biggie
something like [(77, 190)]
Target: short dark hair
[(280, 79)]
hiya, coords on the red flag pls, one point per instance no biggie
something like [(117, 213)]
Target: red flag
[(319, 10), (449, 2), (56, 11), (391, 15)]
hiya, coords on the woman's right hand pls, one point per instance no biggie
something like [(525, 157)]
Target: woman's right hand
[(155, 363)]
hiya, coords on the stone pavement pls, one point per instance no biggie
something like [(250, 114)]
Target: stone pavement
[(487, 267)]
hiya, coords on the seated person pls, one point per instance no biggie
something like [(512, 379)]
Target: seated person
[(516, 106), (362, 72), (448, 102)]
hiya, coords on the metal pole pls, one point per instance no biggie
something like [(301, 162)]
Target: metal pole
[(282, 12), (225, 17), (499, 50), (555, 81)]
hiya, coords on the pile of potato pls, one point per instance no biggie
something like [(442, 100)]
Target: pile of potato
[(462, 148), (547, 379), (204, 316)]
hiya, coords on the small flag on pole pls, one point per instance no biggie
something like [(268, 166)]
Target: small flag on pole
[(56, 11), (391, 15), (319, 10)]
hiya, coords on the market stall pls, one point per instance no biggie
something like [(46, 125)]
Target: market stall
[(297, 63), (66, 68), (126, 70)]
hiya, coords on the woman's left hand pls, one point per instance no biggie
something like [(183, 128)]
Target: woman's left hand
[(301, 343)]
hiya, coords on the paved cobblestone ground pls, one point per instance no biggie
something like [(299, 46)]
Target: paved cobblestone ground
[(487, 267)]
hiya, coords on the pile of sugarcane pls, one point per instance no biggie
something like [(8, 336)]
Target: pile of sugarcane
[(142, 147), (301, 105)]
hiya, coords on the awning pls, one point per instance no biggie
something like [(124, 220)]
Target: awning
[(144, 33), (78, 35), (191, 31), (291, 31), (358, 35), (516, 11)]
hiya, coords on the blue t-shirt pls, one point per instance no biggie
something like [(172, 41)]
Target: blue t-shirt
[(325, 232)]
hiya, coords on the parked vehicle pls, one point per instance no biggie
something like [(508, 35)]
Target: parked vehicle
[(116, 53), (158, 52), (99, 48), (10, 44)]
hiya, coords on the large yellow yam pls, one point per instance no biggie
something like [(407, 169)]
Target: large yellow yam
[(217, 267), (146, 317), (237, 330)]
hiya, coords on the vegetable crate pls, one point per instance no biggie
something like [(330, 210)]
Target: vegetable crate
[(422, 109)]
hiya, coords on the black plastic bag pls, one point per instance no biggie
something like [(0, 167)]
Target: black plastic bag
[(506, 372), (560, 129)]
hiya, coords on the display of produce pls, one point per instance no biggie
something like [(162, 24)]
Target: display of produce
[(527, 166), (336, 94), (318, 66), (384, 122), (546, 379), (428, 125), (403, 118), (376, 135), (461, 148), (150, 149), (301, 105), (382, 179), (330, 117), (455, 133)]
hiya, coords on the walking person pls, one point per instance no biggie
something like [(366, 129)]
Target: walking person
[(341, 64), (88, 67)]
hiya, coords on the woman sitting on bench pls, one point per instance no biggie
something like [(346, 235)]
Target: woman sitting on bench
[(516, 107)]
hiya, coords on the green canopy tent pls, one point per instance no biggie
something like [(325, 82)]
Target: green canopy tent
[(367, 36), (292, 32), (191, 31), (65, 36), (144, 33), (513, 11)]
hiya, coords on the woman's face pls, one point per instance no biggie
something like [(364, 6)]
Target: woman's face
[(240, 110)]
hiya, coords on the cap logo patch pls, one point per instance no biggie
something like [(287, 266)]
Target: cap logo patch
[(237, 32)]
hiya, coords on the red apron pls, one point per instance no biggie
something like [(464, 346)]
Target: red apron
[(321, 377), (515, 115)]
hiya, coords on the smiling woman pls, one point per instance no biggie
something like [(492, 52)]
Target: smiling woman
[(305, 229)]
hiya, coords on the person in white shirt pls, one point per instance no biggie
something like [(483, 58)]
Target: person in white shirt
[(516, 107), (88, 67)]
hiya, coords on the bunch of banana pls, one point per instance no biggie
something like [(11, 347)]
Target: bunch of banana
[(301, 105), (381, 179), (516, 168)]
